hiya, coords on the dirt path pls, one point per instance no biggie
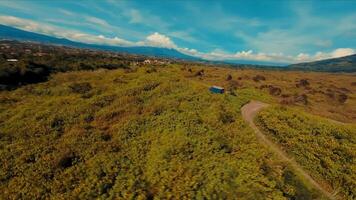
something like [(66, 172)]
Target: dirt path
[(249, 111)]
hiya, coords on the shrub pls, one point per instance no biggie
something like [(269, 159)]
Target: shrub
[(68, 160), (199, 73), (80, 88), (258, 78), (301, 99), (302, 83), (275, 91), (342, 98)]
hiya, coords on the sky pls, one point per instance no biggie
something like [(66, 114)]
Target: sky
[(272, 31)]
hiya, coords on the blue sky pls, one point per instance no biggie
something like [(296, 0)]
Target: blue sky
[(278, 31)]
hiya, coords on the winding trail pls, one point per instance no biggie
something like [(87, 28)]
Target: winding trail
[(249, 111)]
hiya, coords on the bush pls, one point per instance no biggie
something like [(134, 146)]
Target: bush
[(14, 75), (302, 83), (258, 78), (275, 91), (320, 146), (80, 88)]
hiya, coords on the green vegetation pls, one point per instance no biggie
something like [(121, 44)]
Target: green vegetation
[(86, 124), (134, 134), (324, 148)]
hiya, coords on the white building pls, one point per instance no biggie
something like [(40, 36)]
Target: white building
[(12, 60)]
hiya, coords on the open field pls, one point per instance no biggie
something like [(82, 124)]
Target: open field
[(125, 130), (146, 132)]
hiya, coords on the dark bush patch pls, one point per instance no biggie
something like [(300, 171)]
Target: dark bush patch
[(301, 99), (199, 73), (150, 86), (57, 124), (119, 80), (329, 93), (258, 78), (68, 161), (80, 88), (353, 84), (7, 100), (106, 137), (303, 83), (115, 66), (233, 85), (151, 70), (301, 192), (344, 90), (105, 188), (227, 117), (275, 91), (29, 159), (84, 66), (287, 101), (225, 147), (15, 75), (342, 98), (229, 77), (88, 118), (104, 101)]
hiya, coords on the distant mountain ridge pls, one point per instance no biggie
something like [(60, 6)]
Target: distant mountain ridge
[(342, 64), (7, 32)]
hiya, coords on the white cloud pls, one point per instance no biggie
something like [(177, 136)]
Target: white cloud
[(74, 35), (220, 55), (159, 40), (97, 21), (342, 52)]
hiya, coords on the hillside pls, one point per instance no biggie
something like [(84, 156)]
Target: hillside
[(343, 64), (7, 32), (134, 134), (322, 147), (102, 125)]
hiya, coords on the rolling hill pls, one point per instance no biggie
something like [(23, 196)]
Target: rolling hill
[(343, 64)]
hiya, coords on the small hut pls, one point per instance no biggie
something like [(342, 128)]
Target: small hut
[(217, 89)]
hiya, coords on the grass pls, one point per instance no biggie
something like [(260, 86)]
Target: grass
[(136, 134), (324, 148)]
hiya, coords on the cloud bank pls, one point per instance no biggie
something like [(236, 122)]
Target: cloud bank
[(160, 40)]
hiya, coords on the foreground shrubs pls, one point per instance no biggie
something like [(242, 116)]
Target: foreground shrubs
[(144, 136), (325, 148)]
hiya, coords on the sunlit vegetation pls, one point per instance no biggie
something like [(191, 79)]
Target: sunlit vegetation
[(96, 125), (134, 135), (323, 147)]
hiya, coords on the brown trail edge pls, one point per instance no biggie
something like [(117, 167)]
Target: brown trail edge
[(248, 112)]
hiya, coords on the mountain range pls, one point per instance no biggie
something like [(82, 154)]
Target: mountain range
[(7, 32), (343, 64)]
